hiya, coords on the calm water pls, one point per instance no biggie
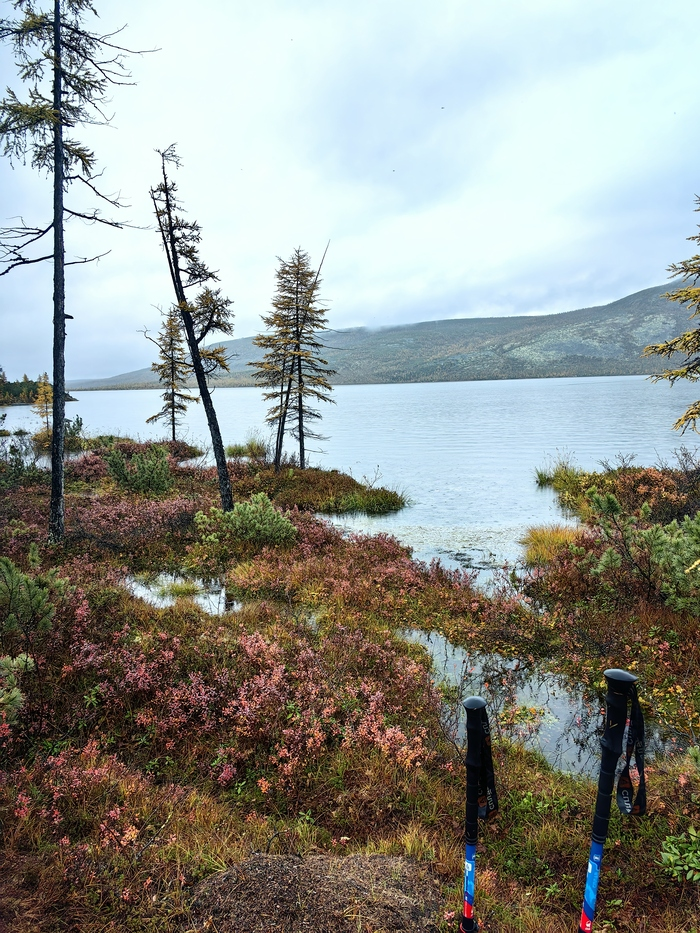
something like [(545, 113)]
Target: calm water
[(465, 452)]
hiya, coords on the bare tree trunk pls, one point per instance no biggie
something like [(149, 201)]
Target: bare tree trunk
[(300, 379), (284, 408), (56, 510), (213, 422), (300, 414), (219, 454), (172, 400)]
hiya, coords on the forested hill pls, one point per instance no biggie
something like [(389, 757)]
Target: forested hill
[(606, 340)]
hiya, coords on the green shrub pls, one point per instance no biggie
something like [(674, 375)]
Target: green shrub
[(11, 697), (147, 473), (26, 607), (680, 856), (665, 558), (74, 439), (243, 531)]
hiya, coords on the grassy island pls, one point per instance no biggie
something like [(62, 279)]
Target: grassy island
[(163, 768)]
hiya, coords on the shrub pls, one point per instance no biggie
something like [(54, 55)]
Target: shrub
[(147, 473), (669, 492), (181, 450), (11, 697), (680, 856), (42, 441), (25, 607), (18, 462), (243, 531), (145, 529), (89, 468), (622, 558), (74, 441)]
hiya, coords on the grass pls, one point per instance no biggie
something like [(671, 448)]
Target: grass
[(370, 501), (255, 446), (179, 589), (544, 542)]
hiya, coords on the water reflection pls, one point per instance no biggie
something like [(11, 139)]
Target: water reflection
[(164, 589), (529, 704)]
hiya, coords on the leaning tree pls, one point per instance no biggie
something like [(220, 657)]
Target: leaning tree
[(68, 71), (203, 316), (292, 370)]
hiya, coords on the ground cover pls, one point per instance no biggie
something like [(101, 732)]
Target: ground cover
[(153, 758)]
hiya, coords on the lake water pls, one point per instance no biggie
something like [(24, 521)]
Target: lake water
[(464, 452)]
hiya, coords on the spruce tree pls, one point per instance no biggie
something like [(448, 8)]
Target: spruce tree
[(173, 371), (292, 369), (53, 47)]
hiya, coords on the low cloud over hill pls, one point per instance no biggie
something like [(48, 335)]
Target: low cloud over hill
[(606, 340)]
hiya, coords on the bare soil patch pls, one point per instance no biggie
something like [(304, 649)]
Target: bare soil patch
[(320, 893)]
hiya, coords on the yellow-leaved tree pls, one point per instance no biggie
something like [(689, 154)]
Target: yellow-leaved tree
[(43, 407)]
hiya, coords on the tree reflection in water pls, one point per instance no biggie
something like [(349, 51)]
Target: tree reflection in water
[(529, 704)]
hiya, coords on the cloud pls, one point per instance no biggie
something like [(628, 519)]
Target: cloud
[(464, 159)]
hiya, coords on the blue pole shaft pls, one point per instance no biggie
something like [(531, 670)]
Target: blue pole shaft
[(475, 732), (619, 683), (469, 884)]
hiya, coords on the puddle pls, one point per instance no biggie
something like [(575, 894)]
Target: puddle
[(542, 710), (165, 589)]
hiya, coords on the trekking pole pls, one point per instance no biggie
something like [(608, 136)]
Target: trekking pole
[(620, 685), (481, 799)]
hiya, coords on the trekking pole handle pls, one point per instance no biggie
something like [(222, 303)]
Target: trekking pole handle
[(619, 683), (473, 706)]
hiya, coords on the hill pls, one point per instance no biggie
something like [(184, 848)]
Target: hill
[(603, 341)]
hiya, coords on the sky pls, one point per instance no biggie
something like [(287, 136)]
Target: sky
[(463, 159)]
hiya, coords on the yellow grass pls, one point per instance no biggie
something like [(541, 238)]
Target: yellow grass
[(544, 541)]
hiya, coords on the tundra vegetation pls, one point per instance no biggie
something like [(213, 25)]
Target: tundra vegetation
[(144, 749)]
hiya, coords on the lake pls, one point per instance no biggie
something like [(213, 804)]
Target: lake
[(464, 452)]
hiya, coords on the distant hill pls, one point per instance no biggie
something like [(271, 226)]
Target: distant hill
[(602, 341)]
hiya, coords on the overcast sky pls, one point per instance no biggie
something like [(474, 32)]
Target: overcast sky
[(464, 159)]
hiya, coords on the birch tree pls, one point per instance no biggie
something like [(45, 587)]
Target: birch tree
[(68, 71)]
